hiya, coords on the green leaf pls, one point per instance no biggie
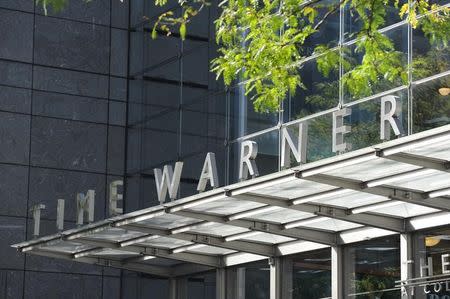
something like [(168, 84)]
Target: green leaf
[(183, 31)]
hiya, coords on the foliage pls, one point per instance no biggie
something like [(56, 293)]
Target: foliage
[(262, 42), (55, 5), (169, 19)]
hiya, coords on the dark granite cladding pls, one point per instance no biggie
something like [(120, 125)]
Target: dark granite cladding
[(16, 35), (116, 149), (15, 99), (70, 107), (14, 136), (95, 12), (71, 82), (117, 113), (119, 54), (63, 94), (24, 5), (72, 45), (118, 89), (11, 283), (49, 185), (12, 230), (38, 284), (13, 189), (15, 74), (67, 144)]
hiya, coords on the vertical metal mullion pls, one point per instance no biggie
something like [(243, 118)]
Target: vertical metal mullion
[(275, 277), (240, 283), (220, 283), (341, 54), (336, 272), (172, 288), (410, 78), (406, 256), (227, 136)]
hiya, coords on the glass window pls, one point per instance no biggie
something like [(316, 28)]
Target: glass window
[(371, 268), (249, 281), (202, 286), (308, 275), (431, 104), (267, 160), (319, 92), (352, 22), (244, 119), (399, 38), (431, 56), (432, 244)]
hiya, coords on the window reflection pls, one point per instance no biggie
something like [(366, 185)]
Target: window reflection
[(249, 281), (371, 269), (311, 275), (434, 244)]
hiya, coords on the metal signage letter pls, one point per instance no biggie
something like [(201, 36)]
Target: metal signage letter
[(85, 204), (209, 173), (445, 263), (390, 116), (298, 151), (60, 214), (339, 130), (36, 210), (114, 197), (168, 180), (247, 164), (428, 267)]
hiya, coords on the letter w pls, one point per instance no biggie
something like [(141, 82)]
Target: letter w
[(168, 180)]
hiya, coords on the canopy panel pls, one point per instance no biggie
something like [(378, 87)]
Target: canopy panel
[(394, 187)]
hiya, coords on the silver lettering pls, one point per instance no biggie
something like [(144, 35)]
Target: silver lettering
[(249, 151), (168, 180), (209, 173), (428, 267), (36, 210), (299, 150), (445, 263), (85, 204), (390, 117), (114, 197), (339, 130), (60, 214)]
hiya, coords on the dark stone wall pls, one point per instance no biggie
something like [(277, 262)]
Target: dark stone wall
[(63, 92)]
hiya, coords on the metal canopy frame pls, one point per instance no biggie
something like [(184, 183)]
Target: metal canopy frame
[(372, 192)]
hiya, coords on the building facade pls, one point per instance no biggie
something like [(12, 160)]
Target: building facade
[(88, 98)]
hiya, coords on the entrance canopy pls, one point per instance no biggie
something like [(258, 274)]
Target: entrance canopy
[(395, 187)]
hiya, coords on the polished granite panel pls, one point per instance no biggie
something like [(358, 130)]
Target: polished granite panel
[(72, 45), (68, 144)]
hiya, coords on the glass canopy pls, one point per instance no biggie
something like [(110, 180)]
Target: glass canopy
[(394, 187)]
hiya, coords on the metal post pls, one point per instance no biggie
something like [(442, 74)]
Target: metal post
[(240, 283), (172, 288), (181, 288), (406, 261), (275, 278), (220, 283), (336, 272)]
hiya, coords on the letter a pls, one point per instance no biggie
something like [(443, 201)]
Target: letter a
[(209, 173)]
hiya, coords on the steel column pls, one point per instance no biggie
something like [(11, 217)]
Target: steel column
[(275, 277), (336, 272)]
